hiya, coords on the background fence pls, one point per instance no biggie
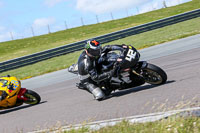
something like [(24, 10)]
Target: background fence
[(30, 59), (31, 30)]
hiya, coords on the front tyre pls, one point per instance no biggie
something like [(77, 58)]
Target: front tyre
[(33, 97), (154, 75)]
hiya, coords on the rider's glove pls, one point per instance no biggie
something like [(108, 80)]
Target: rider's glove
[(114, 72)]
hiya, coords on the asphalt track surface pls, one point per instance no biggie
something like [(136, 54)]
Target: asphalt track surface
[(63, 104)]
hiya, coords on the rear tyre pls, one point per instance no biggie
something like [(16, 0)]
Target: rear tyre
[(33, 97), (154, 75)]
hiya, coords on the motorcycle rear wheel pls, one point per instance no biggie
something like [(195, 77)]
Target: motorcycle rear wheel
[(154, 75), (33, 97)]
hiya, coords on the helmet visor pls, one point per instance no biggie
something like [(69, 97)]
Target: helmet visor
[(94, 52)]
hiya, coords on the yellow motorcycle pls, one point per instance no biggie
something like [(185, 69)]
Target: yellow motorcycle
[(13, 95)]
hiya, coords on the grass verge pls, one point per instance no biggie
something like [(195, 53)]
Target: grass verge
[(173, 32), (173, 124)]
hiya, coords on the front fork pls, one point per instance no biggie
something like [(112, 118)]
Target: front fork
[(140, 65), (21, 93)]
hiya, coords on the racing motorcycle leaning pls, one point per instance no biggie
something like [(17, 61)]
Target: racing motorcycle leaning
[(129, 73), (15, 95)]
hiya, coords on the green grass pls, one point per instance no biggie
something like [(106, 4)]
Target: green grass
[(181, 125), (166, 34), (180, 30), (171, 125), (174, 124), (22, 47)]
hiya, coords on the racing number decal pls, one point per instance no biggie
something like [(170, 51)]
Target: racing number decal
[(130, 55), (15, 84)]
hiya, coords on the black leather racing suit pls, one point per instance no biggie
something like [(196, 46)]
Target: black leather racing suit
[(89, 75)]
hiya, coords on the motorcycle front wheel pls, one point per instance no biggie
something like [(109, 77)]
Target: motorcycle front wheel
[(154, 75), (33, 97)]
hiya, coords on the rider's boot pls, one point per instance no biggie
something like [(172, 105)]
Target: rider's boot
[(96, 91)]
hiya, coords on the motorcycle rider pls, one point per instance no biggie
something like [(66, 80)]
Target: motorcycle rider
[(9, 86), (88, 69)]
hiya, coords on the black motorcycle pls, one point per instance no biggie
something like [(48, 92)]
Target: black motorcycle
[(129, 73)]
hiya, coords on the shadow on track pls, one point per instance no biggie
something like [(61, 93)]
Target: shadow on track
[(136, 89), (18, 108)]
